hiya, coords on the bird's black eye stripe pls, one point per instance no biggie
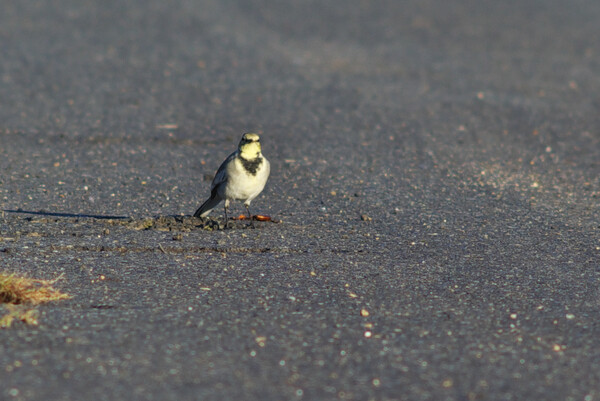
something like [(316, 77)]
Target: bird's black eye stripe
[(248, 140)]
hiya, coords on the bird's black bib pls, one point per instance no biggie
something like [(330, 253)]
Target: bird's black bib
[(251, 166)]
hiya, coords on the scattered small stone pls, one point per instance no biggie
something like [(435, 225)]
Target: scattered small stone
[(364, 217), (261, 340)]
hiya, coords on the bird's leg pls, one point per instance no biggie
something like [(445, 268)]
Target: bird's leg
[(225, 208), (250, 216)]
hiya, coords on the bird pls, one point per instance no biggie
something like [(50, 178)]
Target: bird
[(241, 177)]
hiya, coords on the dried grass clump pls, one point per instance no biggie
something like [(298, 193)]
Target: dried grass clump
[(16, 290), (15, 312)]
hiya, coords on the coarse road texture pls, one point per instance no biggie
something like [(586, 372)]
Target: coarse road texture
[(435, 169)]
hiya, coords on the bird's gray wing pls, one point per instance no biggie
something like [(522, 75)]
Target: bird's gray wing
[(221, 174)]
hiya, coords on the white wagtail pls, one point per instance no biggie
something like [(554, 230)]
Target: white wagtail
[(242, 176)]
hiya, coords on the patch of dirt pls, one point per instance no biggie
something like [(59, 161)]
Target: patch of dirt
[(165, 223), (181, 223)]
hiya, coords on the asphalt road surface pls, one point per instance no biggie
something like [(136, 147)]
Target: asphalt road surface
[(435, 172)]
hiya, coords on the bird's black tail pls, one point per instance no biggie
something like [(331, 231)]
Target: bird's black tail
[(207, 206)]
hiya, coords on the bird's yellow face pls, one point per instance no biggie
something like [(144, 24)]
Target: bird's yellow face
[(250, 146)]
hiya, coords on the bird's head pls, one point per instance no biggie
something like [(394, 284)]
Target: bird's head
[(250, 146)]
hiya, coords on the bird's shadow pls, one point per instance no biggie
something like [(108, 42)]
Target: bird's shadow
[(74, 215)]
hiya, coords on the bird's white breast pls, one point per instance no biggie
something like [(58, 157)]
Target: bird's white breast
[(244, 186)]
